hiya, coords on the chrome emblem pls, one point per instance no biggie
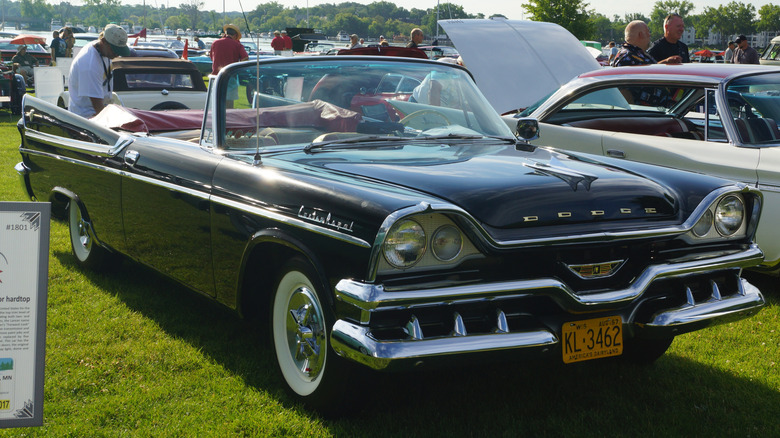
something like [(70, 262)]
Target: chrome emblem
[(596, 270)]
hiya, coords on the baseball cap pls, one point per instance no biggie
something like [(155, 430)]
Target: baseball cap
[(117, 39), (740, 39)]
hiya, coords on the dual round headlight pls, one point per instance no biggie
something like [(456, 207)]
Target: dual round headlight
[(406, 243), (727, 219)]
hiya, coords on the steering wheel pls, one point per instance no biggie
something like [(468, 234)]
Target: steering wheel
[(425, 119)]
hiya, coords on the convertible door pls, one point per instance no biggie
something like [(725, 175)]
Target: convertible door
[(165, 204)]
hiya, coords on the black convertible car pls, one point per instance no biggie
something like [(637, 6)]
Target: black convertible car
[(377, 211)]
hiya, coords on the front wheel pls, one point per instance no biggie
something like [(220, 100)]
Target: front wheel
[(300, 323)]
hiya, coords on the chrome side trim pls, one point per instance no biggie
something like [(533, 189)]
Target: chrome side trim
[(70, 144), (370, 297), (356, 343), (70, 160)]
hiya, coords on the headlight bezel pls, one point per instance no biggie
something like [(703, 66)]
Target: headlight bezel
[(710, 227), (431, 223)]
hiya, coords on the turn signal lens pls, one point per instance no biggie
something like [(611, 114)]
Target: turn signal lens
[(405, 244), (704, 225)]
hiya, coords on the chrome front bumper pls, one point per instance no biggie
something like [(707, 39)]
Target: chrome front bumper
[(354, 339)]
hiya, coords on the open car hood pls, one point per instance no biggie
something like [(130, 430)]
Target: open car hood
[(516, 63)]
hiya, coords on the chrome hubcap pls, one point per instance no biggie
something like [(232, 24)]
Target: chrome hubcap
[(305, 333)]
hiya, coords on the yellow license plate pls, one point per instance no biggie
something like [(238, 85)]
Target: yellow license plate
[(592, 339)]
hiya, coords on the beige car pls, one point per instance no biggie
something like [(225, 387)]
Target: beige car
[(151, 83), (771, 55)]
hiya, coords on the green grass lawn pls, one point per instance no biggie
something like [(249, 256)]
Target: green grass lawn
[(134, 354)]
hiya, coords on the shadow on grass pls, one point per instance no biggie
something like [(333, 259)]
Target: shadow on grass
[(675, 396)]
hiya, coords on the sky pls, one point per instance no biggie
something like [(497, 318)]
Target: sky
[(512, 9)]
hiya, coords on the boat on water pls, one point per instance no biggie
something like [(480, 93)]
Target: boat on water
[(56, 24)]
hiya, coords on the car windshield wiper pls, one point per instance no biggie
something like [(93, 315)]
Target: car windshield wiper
[(373, 140), (468, 137), (356, 141)]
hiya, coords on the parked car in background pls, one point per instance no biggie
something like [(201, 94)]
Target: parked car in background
[(390, 227), (318, 48), (654, 114), (154, 84), (771, 54), (8, 51), (713, 119)]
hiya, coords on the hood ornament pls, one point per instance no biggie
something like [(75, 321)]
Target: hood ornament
[(559, 170)]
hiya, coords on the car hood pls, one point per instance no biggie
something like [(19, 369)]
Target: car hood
[(505, 188), (516, 63)]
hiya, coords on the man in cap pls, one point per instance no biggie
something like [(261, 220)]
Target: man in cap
[(277, 43), (90, 79), (744, 53), (26, 63), (287, 41), (225, 51)]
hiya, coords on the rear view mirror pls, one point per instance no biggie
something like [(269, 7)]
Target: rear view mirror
[(527, 129)]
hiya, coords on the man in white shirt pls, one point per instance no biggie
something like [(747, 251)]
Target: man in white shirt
[(729, 55), (90, 82)]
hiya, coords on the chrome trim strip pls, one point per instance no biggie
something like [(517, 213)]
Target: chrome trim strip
[(370, 297), (70, 160), (290, 221), (355, 342), (70, 144)]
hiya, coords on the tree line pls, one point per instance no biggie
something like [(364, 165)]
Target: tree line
[(385, 18)]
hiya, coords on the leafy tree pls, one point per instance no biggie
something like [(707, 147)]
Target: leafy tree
[(37, 10), (191, 10), (730, 20), (601, 28), (570, 14), (102, 11), (663, 8), (770, 18)]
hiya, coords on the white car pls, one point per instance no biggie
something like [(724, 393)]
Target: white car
[(713, 119), (150, 83)]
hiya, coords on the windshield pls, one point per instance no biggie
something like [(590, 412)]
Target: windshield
[(303, 101), (754, 102)]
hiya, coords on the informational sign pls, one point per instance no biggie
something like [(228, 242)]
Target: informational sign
[(24, 272)]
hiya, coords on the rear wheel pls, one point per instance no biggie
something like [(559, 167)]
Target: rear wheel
[(300, 322), (85, 249)]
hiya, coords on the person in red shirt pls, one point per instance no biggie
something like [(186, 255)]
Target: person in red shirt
[(225, 51), (277, 43), (287, 41)]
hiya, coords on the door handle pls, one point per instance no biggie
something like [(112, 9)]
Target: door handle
[(614, 153), (131, 157)]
